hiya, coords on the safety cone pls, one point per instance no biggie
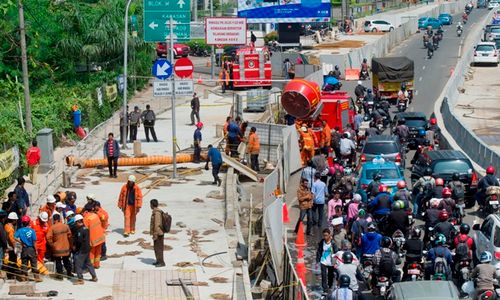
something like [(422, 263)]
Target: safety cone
[(200, 80), (286, 218), (451, 71), (300, 240), (300, 268)]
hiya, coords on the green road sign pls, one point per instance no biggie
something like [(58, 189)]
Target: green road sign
[(157, 15)]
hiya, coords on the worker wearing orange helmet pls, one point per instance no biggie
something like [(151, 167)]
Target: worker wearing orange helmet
[(96, 235), (41, 227), (197, 138), (130, 202), (326, 138), (307, 142)]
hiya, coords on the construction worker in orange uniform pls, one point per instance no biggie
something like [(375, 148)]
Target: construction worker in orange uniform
[(104, 217), (41, 226), (49, 208), (96, 235), (130, 202), (253, 148), (10, 228), (326, 138), (307, 141)]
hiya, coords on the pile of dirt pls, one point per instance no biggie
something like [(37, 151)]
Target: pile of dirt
[(139, 240), (128, 253), (219, 296), (341, 44), (217, 279), (210, 231), (184, 264)]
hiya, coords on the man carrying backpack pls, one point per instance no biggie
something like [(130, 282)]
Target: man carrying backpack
[(444, 227), (464, 245), (385, 261), (156, 231), (372, 189), (440, 258), (424, 188), (458, 192)]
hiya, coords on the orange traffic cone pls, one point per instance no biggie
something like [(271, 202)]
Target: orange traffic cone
[(286, 218), (300, 240), (300, 268), (200, 80)]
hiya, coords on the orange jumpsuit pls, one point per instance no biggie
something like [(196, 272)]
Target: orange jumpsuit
[(326, 137), (97, 238), (49, 211), (130, 211), (41, 241), (307, 142)]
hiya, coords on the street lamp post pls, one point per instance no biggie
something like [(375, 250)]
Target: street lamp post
[(125, 59)]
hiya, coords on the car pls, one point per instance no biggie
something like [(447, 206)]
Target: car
[(385, 146), (179, 50), (445, 19), (417, 124), (493, 32), (482, 4), (497, 42), (423, 290), (487, 30), (485, 53), (391, 173), (425, 22), (378, 25), (496, 20), (487, 238), (493, 4), (443, 164)]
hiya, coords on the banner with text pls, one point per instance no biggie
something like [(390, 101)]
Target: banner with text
[(9, 161), (226, 31)]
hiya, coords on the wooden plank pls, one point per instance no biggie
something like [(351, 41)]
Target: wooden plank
[(245, 170)]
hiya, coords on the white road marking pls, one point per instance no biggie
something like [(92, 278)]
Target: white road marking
[(416, 93), (423, 68), (420, 79)]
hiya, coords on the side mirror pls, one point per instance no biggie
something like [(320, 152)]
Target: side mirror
[(475, 227)]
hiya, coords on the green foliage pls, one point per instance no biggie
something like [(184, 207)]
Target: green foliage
[(198, 43), (271, 36)]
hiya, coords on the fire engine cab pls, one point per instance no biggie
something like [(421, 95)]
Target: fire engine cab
[(252, 68)]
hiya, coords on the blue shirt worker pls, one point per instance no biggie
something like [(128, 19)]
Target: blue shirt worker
[(26, 236), (233, 138), (319, 191), (197, 142), (215, 157)]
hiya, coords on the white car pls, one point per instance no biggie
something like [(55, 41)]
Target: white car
[(487, 238), (485, 53), (378, 25), (493, 4)]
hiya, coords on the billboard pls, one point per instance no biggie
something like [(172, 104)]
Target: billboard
[(284, 11), (226, 31)]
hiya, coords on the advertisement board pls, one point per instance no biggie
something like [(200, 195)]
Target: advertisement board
[(284, 11), (226, 31)]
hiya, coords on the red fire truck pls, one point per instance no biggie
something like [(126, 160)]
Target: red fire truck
[(252, 68)]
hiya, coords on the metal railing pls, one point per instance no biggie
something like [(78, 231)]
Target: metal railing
[(293, 287)]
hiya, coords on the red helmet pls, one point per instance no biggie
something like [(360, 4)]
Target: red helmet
[(25, 219), (382, 188), (433, 121), (439, 181), (490, 170), (446, 193), (443, 215), (199, 124), (401, 184)]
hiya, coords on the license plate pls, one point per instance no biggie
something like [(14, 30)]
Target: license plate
[(385, 283), (414, 271), (494, 202), (486, 54)]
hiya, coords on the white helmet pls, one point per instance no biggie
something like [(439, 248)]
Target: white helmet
[(90, 196), (131, 178), (51, 199), (359, 82), (78, 218), (12, 216), (44, 216)]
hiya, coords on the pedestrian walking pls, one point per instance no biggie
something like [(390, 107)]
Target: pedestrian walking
[(148, 119), (224, 79), (26, 236), (41, 227), (111, 151), (286, 68), (23, 199), (253, 148), (96, 235), (130, 202), (135, 122), (59, 239), (3, 241), (156, 231), (195, 109), (197, 138), (305, 198), (324, 254), (215, 157), (10, 229), (33, 157), (319, 191), (81, 247)]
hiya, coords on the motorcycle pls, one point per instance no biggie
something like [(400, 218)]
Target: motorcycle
[(363, 75), (459, 32), (469, 289), (492, 200), (399, 241), (383, 285), (414, 271), (402, 105), (426, 40), (463, 271), (435, 42), (430, 53), (367, 262), (359, 104)]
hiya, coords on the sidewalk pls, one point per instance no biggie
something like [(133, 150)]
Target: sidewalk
[(477, 108)]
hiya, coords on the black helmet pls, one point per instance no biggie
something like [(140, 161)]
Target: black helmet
[(386, 242), (455, 176), (372, 227), (372, 124), (402, 121), (377, 176), (369, 91), (464, 228), (427, 142), (428, 172), (344, 281), (403, 86), (364, 60), (347, 257), (336, 67), (416, 232)]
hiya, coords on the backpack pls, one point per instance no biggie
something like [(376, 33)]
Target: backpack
[(166, 222), (458, 190), (428, 189), (462, 249), (403, 132), (360, 230), (386, 265), (440, 264)]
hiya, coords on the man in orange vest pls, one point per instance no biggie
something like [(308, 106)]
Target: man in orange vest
[(49, 208), (224, 79), (41, 226), (130, 202), (59, 239), (10, 229), (307, 141), (253, 148), (104, 217), (96, 236), (326, 138)]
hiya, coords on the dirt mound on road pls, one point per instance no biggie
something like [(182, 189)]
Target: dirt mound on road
[(341, 44)]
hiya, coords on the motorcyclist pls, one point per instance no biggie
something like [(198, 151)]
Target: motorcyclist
[(447, 203), (465, 17), (402, 131), (435, 41), (458, 192), (380, 268), (439, 33), (438, 189), (336, 73), (489, 180), (370, 241), (381, 204), (414, 247), (347, 147), (421, 190), (398, 219), (431, 217), (360, 90), (444, 227), (485, 274), (429, 31), (368, 98), (373, 187), (430, 48), (343, 291), (403, 93), (364, 73), (463, 237), (351, 270), (331, 82), (460, 26), (441, 251), (336, 172), (372, 130), (402, 194)]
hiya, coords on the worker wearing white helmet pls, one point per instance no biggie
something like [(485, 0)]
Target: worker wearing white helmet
[(41, 226), (49, 208), (130, 202), (10, 229)]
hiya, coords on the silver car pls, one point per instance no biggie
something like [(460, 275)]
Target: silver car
[(487, 238), (422, 290)]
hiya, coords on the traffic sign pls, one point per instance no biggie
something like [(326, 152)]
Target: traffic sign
[(184, 87), (183, 67), (157, 15), (162, 88), (162, 69)]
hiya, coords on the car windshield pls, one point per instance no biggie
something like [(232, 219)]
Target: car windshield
[(497, 42), (416, 122), (380, 148), (451, 166), (485, 48), (387, 174), (495, 30), (496, 238), (422, 19)]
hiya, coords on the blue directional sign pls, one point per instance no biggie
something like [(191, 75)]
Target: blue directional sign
[(157, 15), (162, 69)]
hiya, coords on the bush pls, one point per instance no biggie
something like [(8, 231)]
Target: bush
[(271, 36)]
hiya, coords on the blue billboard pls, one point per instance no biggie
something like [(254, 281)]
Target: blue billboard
[(284, 11)]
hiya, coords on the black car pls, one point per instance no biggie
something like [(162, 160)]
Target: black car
[(417, 124), (443, 164)]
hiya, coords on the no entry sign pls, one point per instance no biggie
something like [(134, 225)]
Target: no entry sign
[(183, 67)]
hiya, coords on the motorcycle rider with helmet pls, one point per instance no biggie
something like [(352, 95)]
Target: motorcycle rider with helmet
[(398, 219), (414, 247), (463, 237), (369, 97), (336, 73), (402, 131), (447, 203), (459, 26), (381, 204), (402, 194), (372, 130), (363, 73), (380, 268), (420, 187), (440, 250), (489, 180), (485, 274), (373, 187), (431, 217), (444, 227), (458, 192), (370, 241), (351, 270), (438, 189), (359, 91), (343, 291)]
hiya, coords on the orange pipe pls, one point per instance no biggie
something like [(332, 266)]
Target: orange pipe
[(133, 161)]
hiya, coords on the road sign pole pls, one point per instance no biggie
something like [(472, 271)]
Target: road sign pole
[(212, 69), (125, 58), (174, 138)]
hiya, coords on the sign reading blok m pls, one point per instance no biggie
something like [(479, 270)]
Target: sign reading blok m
[(226, 31)]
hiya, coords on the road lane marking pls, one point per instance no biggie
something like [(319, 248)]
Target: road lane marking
[(423, 68), (416, 92), (420, 79)]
